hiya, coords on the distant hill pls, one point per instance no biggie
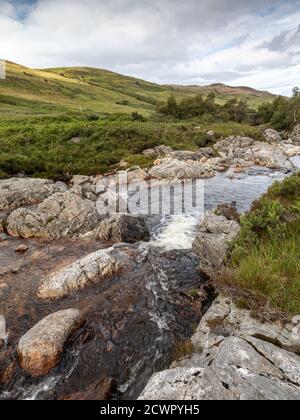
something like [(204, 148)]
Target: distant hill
[(53, 91), (220, 88)]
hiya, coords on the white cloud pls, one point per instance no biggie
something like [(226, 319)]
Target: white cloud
[(169, 41)]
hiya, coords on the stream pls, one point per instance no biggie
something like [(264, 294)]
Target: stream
[(135, 321)]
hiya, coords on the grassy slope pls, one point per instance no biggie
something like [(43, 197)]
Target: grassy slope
[(41, 111), (54, 91)]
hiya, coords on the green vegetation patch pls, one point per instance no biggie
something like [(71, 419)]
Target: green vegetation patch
[(266, 255)]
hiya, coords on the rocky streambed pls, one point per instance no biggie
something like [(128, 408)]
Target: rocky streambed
[(95, 305)]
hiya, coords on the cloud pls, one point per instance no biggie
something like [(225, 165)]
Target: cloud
[(167, 41), (285, 41)]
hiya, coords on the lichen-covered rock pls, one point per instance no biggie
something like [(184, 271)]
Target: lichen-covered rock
[(40, 349), (63, 215), (235, 358), (17, 192), (121, 228), (89, 270), (212, 240)]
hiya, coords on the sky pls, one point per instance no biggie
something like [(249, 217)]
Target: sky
[(238, 42)]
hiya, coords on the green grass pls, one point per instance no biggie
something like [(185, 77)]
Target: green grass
[(53, 91), (266, 255), (42, 110), (271, 269), (42, 147)]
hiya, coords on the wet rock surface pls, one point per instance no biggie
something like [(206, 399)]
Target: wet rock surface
[(92, 269), (236, 358), (133, 319), (121, 228), (39, 350)]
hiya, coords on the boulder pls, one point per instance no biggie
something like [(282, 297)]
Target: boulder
[(295, 136), (188, 155), (212, 241), (17, 192), (177, 169), (158, 151), (90, 270), (272, 136), (63, 215), (121, 228), (85, 186), (233, 360), (211, 133), (40, 349), (22, 248), (291, 150)]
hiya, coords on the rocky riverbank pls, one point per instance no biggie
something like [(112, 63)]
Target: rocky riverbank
[(93, 308), (233, 356)]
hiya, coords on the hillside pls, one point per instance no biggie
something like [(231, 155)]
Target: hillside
[(39, 92)]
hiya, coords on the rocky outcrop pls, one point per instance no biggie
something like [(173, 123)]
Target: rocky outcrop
[(40, 349), (235, 358), (121, 228), (212, 241), (246, 152), (295, 136), (63, 215), (17, 192), (237, 152), (206, 152), (158, 151), (93, 269), (272, 136), (180, 169)]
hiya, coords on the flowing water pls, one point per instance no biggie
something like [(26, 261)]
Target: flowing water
[(178, 231), (133, 321)]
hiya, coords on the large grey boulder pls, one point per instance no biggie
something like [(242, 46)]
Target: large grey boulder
[(235, 358), (89, 270), (40, 349), (272, 136), (17, 192), (180, 169), (63, 215), (212, 240), (121, 228), (158, 151)]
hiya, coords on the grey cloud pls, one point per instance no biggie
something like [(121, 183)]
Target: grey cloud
[(161, 40), (283, 42)]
